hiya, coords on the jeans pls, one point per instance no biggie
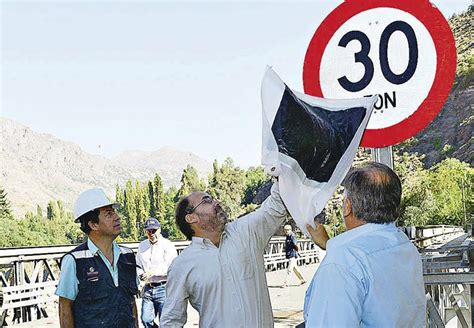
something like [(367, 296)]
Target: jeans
[(152, 304)]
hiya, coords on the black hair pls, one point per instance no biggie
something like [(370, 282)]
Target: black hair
[(375, 192), (91, 216), (182, 209)]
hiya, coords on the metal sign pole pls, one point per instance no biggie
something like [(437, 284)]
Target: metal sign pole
[(383, 155)]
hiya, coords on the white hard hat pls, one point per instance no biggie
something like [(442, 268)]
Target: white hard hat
[(90, 200)]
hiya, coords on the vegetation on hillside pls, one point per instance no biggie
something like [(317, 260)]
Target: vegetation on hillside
[(439, 195)]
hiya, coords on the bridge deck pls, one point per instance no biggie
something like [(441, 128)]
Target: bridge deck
[(287, 302)]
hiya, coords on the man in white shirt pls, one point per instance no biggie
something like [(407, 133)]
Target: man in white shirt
[(221, 273), (154, 257), (372, 274)]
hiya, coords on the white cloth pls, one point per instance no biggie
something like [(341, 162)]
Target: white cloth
[(226, 284), (155, 259), (306, 198), (371, 276)]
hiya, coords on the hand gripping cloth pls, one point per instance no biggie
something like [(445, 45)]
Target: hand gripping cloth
[(309, 143)]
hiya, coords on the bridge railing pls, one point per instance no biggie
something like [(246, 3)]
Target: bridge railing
[(29, 275), (448, 272)]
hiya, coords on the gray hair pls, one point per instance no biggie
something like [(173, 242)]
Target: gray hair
[(375, 192)]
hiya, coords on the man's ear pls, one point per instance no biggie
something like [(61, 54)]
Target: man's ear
[(93, 225), (346, 207), (191, 218)]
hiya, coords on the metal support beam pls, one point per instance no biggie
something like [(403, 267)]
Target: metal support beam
[(433, 312), (470, 256), (383, 155), (449, 278), (457, 309)]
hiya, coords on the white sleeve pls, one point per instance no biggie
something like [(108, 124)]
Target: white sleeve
[(262, 224), (174, 313), (170, 253)]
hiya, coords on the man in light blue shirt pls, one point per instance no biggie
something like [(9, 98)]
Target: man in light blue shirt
[(68, 284), (372, 274), (98, 280)]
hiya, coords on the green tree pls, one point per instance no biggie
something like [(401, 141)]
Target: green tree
[(227, 184), (151, 199), (170, 226), (130, 212), (61, 210), (255, 178), (159, 199), (190, 182), (52, 210), (437, 195), (39, 212), (119, 195), (5, 206)]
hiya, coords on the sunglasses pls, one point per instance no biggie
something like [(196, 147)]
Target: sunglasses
[(152, 231), (206, 200)]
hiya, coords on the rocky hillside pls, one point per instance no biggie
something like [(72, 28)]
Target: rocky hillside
[(36, 167), (451, 133), (164, 161)]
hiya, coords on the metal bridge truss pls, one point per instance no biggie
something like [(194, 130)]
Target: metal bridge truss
[(29, 275), (449, 283)]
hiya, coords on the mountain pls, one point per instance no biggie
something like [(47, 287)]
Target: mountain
[(164, 161), (451, 133), (37, 167)]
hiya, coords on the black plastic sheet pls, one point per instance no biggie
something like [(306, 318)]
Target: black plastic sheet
[(316, 138)]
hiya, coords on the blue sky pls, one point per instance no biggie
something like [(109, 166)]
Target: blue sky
[(115, 75)]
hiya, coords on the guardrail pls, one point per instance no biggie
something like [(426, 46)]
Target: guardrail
[(29, 275), (428, 235), (448, 272)]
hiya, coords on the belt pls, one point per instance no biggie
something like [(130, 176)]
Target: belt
[(156, 284)]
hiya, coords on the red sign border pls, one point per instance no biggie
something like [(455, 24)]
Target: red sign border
[(444, 43)]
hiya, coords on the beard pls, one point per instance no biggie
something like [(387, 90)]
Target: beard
[(221, 215), (215, 222)]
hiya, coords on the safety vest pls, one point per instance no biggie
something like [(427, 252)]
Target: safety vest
[(99, 303)]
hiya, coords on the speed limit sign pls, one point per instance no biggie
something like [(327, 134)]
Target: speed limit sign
[(403, 51)]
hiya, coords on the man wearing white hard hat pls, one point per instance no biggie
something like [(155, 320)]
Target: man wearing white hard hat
[(98, 281)]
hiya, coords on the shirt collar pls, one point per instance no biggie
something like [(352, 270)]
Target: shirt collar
[(352, 234), (94, 249), (206, 243), (203, 242)]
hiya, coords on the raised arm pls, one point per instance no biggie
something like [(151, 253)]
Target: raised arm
[(263, 223)]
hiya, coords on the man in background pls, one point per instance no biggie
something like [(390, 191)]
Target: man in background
[(372, 274), (154, 257), (291, 253)]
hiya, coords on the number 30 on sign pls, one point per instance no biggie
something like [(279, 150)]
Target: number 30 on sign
[(403, 51)]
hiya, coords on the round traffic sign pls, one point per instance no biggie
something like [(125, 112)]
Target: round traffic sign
[(403, 51)]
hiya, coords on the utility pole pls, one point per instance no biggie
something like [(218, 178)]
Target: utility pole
[(383, 155)]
